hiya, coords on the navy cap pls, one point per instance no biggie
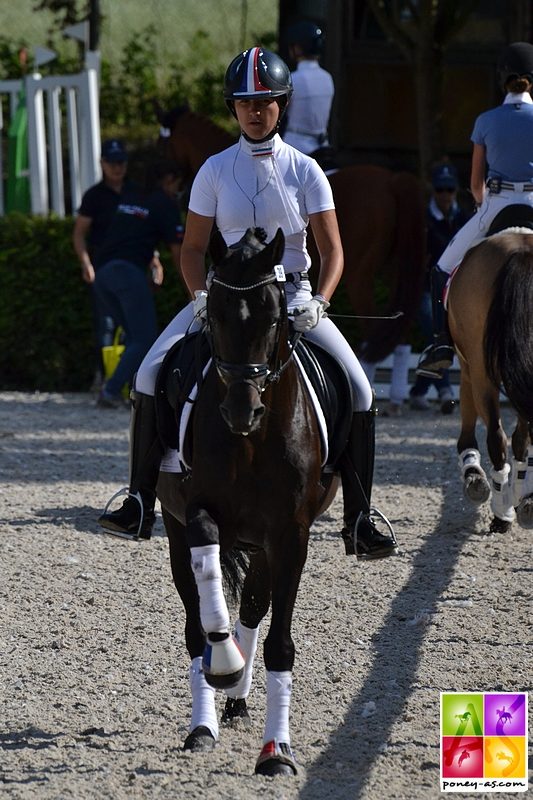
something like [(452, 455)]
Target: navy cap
[(444, 177), (113, 150)]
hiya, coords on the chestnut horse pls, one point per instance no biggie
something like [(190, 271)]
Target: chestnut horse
[(490, 313), (381, 218), (256, 484)]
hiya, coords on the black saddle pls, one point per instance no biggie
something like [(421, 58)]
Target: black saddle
[(517, 215), (183, 366)]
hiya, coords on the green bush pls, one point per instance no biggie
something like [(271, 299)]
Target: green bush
[(46, 336)]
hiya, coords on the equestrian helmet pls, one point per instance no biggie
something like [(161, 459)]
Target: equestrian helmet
[(257, 73), (516, 60), (308, 36)]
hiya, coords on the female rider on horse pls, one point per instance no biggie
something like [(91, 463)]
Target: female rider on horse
[(502, 140), (261, 182)]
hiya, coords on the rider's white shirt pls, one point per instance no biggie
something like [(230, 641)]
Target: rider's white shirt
[(241, 189)]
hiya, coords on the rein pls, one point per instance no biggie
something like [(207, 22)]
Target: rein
[(252, 373)]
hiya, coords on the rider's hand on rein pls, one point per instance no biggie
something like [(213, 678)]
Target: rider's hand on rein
[(199, 305), (308, 315)]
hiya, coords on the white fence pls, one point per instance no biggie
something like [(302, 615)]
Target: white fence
[(55, 105)]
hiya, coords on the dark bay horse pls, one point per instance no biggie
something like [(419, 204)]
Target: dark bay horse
[(255, 485), (381, 218), (490, 311)]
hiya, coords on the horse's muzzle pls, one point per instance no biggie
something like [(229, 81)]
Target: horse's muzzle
[(242, 409)]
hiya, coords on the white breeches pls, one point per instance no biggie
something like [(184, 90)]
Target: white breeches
[(478, 226), (325, 334)]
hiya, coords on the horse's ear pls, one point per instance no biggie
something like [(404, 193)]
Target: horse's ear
[(217, 248), (278, 244)]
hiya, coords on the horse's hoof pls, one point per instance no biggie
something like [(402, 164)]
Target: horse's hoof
[(476, 488), (222, 661), (276, 758), (200, 740), (235, 710), (499, 525), (524, 513)]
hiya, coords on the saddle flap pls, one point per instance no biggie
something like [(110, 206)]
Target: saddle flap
[(332, 386), (181, 370)]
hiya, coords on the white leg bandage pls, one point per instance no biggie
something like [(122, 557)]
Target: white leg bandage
[(279, 687), (246, 638), (205, 563), (470, 459), (502, 498), (399, 388), (518, 480), (528, 485), (203, 699)]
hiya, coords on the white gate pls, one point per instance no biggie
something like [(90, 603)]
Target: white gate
[(48, 118)]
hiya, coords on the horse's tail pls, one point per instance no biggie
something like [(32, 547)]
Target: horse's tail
[(508, 339), (407, 267), (234, 564)]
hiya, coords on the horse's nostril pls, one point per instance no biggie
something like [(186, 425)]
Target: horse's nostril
[(258, 412)]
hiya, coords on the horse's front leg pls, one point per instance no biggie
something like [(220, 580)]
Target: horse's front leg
[(203, 727), (223, 663), (476, 486), (522, 473), (286, 565)]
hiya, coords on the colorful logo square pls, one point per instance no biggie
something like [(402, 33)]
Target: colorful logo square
[(462, 714), (505, 714), (505, 757), (462, 756)]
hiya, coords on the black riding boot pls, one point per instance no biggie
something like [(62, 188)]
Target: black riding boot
[(145, 458), (361, 537), (439, 354)]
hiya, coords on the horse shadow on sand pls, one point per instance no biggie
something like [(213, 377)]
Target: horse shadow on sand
[(361, 739)]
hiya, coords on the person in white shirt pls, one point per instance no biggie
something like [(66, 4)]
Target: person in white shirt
[(262, 182), (307, 117)]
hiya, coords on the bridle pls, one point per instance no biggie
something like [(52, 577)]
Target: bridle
[(257, 375)]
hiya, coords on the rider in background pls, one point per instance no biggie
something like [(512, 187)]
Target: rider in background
[(307, 118), (501, 175), (262, 182)]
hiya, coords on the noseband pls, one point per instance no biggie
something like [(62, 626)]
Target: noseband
[(257, 375)]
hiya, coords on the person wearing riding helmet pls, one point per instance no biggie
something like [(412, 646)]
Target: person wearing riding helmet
[(501, 175), (307, 118), (262, 182)]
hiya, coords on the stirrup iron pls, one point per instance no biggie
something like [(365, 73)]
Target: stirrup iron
[(121, 534)]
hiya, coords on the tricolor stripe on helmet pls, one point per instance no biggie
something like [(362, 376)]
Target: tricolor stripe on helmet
[(250, 83)]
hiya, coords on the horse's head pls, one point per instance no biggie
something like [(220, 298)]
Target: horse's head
[(189, 138), (247, 319)]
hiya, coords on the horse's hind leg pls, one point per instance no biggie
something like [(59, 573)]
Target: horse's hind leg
[(476, 487), (203, 728), (522, 473), (255, 601), (497, 446)]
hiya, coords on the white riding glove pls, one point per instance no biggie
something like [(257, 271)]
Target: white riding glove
[(308, 315), (199, 305)]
